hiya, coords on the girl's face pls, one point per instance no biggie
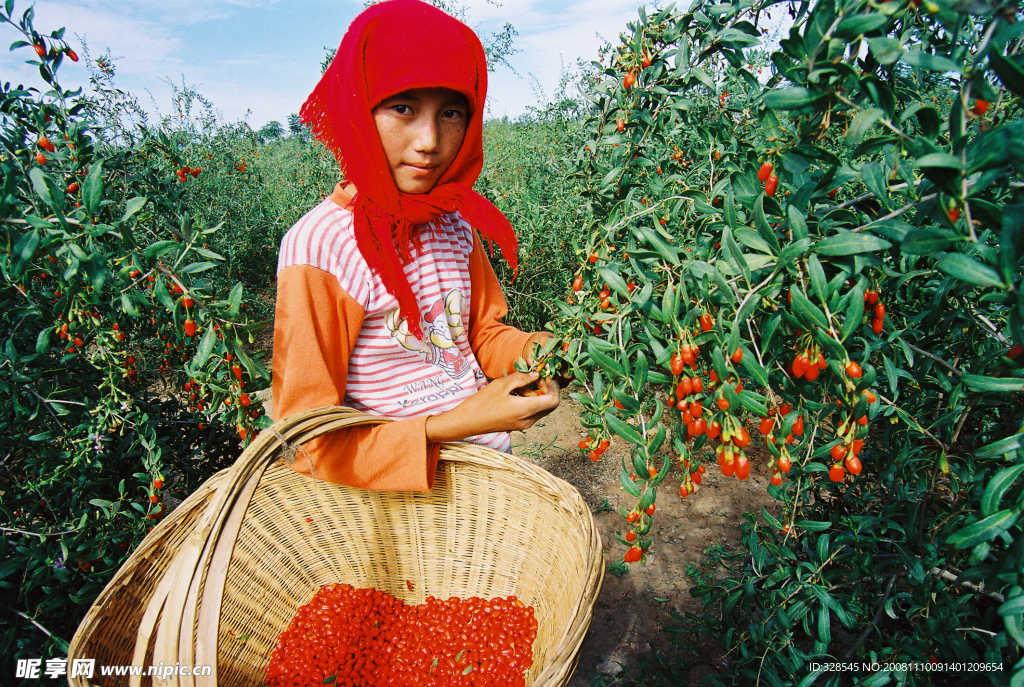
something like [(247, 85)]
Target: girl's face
[(421, 130)]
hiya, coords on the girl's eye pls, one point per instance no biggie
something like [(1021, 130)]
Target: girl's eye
[(453, 114), (401, 109)]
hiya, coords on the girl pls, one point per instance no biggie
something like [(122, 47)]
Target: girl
[(386, 301)]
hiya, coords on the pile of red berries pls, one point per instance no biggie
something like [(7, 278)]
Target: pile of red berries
[(351, 637)]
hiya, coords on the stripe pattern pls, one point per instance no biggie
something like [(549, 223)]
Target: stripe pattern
[(390, 372)]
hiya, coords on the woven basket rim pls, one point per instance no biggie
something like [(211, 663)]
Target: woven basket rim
[(190, 592)]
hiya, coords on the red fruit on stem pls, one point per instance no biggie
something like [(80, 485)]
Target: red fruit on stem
[(853, 465), (742, 468), (190, 327), (836, 473), (765, 172), (40, 50), (980, 107), (771, 185), (853, 370)]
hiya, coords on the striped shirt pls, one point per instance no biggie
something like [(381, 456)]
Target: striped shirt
[(390, 372)]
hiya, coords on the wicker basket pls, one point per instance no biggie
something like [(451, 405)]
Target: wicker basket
[(219, 579)]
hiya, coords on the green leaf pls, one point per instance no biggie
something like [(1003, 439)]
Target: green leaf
[(874, 178), (1002, 447), (790, 98), (856, 24), (92, 188), (43, 340), (234, 302), (44, 187), (967, 269), (850, 243), (23, 251), (628, 484), (943, 160), (158, 248), (205, 348), (208, 253), (127, 306), (131, 207), (818, 281), (983, 530), (1014, 606), (885, 49), (862, 123), (622, 429), (771, 519), (1009, 73), (813, 525), (755, 369), (808, 312), (997, 486), (197, 267), (929, 62), (606, 363), (663, 249), (928, 241), (996, 384), (160, 289)]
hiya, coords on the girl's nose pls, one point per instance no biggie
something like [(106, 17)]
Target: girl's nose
[(427, 135)]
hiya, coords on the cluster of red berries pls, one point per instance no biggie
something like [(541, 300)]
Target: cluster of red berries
[(767, 177), (640, 526), (691, 477), (595, 446), (184, 172), (731, 456), (876, 307), (809, 363), (353, 637)]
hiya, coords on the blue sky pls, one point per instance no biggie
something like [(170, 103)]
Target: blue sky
[(263, 56)]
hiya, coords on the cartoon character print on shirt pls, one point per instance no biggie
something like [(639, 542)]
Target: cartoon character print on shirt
[(442, 326)]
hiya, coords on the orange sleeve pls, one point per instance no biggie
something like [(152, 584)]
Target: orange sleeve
[(316, 325), (496, 345)]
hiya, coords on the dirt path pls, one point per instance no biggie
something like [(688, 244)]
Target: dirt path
[(633, 608)]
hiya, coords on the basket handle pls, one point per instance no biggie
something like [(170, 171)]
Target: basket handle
[(200, 569)]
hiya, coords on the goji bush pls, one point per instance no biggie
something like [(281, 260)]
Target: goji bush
[(818, 248), (125, 375)]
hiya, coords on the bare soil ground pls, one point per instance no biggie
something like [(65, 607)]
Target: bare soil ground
[(633, 609)]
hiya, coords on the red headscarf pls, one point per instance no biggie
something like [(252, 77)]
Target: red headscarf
[(392, 47)]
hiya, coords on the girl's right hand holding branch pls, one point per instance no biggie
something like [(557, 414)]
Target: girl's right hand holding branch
[(495, 408)]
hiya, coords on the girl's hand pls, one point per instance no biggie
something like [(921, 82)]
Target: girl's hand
[(533, 344), (495, 408)]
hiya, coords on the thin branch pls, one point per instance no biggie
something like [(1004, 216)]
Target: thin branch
[(41, 535), (977, 588), (937, 359), (917, 425), (897, 213), (874, 622)]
